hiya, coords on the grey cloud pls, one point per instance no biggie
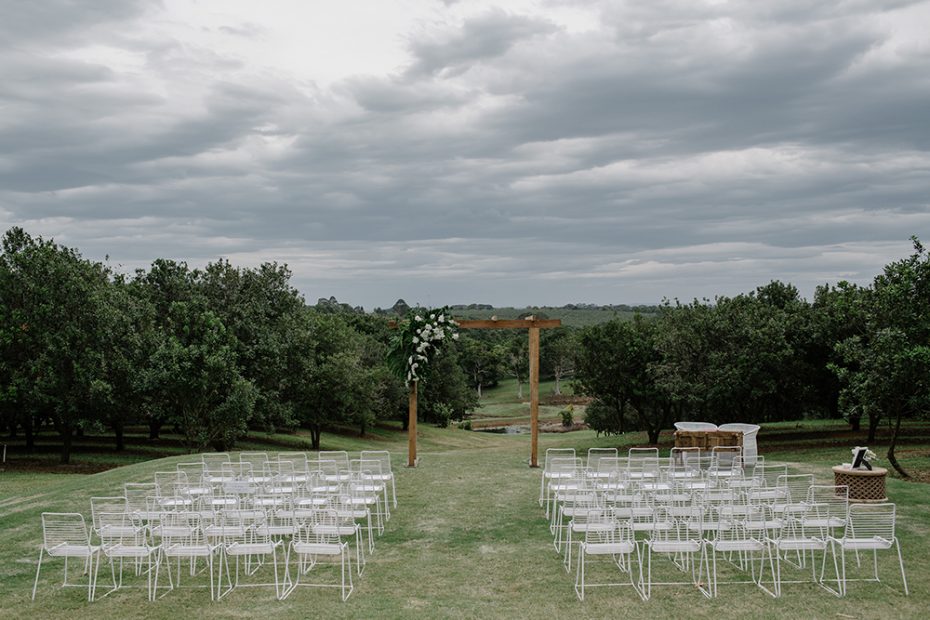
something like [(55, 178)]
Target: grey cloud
[(511, 162), (480, 38)]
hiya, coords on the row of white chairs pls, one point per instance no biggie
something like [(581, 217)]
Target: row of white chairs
[(756, 522), (218, 512)]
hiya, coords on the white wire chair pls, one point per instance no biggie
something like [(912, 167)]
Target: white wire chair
[(315, 538), (605, 537), (244, 539), (795, 535), (387, 474), (869, 527), (298, 461), (678, 542), (124, 537), (565, 474), (65, 535), (213, 465), (725, 535), (181, 536), (547, 473)]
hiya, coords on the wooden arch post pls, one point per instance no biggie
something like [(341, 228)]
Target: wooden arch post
[(532, 325)]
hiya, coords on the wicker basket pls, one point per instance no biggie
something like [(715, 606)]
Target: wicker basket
[(864, 486), (705, 440)]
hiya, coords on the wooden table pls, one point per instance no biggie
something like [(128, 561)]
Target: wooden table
[(865, 486)]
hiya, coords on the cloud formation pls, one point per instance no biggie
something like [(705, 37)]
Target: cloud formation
[(556, 152)]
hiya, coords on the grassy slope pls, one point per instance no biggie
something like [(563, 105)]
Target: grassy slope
[(467, 541)]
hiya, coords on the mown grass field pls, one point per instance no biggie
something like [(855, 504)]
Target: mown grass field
[(468, 541)]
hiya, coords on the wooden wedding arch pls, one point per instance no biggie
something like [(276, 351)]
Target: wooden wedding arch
[(532, 325)]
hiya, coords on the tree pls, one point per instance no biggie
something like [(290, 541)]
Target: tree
[(166, 283), (886, 370), (259, 307), (328, 382), (482, 360), (126, 343), (518, 361), (599, 374), (51, 322), (196, 370), (446, 395), (557, 355)]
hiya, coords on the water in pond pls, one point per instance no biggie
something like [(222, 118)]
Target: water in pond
[(505, 430)]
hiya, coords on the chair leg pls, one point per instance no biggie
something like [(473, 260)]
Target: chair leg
[(38, 568), (901, 564)]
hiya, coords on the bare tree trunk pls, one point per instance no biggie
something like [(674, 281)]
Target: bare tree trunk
[(894, 439), (315, 432), (873, 427), (479, 391), (558, 386), (118, 429), (519, 389), (66, 435)]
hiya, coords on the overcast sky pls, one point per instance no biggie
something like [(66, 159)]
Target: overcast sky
[(513, 153)]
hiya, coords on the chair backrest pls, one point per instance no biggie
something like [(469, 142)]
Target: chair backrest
[(297, 459), (566, 465), (180, 528), (340, 456), (382, 455), (170, 483), (554, 453), (138, 496), (609, 464), (685, 458), (257, 460), (100, 505), (767, 473), (871, 521), (120, 528), (213, 462), (643, 453), (827, 501), (796, 485), (64, 528), (195, 472), (596, 454)]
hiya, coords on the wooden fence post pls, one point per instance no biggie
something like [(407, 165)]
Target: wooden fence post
[(534, 396), (412, 427)]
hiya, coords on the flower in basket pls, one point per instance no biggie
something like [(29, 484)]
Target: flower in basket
[(420, 337)]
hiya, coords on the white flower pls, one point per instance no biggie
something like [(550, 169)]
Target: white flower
[(418, 318), (410, 360), (415, 340), (442, 318), (455, 336), (432, 317)]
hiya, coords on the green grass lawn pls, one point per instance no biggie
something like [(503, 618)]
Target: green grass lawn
[(467, 541), (503, 406)]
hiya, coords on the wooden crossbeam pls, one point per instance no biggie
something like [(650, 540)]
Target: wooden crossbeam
[(532, 325)]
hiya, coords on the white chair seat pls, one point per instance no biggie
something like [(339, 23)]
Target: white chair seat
[(608, 548), (128, 551), (250, 548), (306, 548), (864, 543), (801, 544), (675, 546), (737, 545), (73, 551), (187, 551)]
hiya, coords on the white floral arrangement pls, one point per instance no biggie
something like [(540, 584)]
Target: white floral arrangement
[(868, 457), (420, 338)]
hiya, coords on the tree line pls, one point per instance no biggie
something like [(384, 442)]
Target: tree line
[(860, 352)]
